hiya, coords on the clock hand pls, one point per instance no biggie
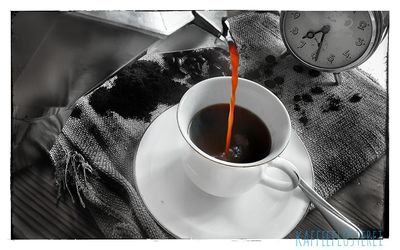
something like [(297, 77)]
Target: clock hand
[(319, 47), (325, 29), (310, 34)]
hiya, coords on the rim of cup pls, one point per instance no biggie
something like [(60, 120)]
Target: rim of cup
[(187, 138)]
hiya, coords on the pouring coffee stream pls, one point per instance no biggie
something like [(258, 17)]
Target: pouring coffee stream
[(235, 63), (234, 56)]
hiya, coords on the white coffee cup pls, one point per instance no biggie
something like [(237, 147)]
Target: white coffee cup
[(227, 179)]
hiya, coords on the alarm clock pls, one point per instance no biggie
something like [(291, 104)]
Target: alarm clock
[(333, 41)]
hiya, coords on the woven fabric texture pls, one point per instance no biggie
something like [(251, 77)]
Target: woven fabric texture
[(342, 126)]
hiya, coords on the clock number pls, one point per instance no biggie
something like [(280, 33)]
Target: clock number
[(362, 25), (294, 31), (314, 56), (360, 42), (347, 54), (295, 15), (301, 45), (331, 58)]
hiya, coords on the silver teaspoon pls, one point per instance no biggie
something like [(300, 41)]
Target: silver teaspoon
[(342, 225)]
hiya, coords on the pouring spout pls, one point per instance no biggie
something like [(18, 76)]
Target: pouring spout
[(205, 29), (226, 31), (209, 23), (216, 24)]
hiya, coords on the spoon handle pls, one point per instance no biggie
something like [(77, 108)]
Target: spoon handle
[(343, 226)]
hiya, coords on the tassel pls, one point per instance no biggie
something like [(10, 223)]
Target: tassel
[(75, 167)]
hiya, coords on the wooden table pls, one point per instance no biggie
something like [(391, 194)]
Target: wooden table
[(35, 213), (362, 201)]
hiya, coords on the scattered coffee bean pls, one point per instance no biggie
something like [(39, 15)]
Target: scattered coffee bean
[(314, 73), (316, 90), (333, 104), (173, 65), (298, 68), (355, 98), (303, 120), (296, 98), (307, 97), (279, 80), (270, 59)]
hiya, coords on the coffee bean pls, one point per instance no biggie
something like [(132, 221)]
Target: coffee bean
[(355, 98), (303, 120), (297, 98), (314, 73), (270, 59), (298, 68), (307, 98), (333, 104), (316, 90)]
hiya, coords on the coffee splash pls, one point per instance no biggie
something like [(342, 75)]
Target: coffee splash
[(251, 139)]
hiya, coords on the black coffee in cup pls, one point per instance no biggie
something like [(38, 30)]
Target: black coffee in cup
[(251, 139)]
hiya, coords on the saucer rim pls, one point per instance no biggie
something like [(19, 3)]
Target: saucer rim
[(178, 237)]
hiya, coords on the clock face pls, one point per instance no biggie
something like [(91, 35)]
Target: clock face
[(329, 39)]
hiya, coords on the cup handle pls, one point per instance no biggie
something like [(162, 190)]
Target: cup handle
[(288, 168)]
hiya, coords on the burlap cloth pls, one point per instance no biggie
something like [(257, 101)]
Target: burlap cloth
[(343, 127)]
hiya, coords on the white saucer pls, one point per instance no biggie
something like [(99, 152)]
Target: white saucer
[(187, 212)]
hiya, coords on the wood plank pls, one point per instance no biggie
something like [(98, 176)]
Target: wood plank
[(362, 201), (35, 214)]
